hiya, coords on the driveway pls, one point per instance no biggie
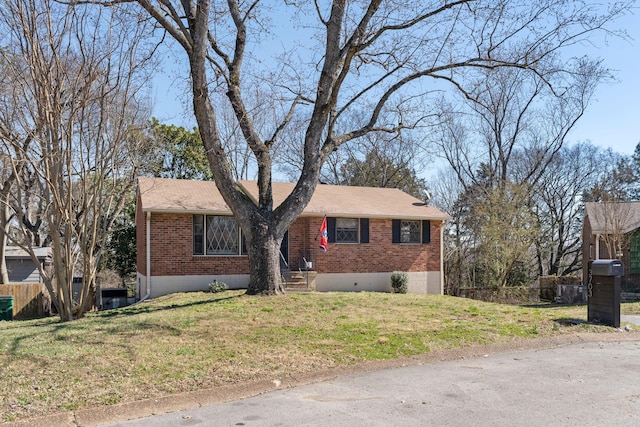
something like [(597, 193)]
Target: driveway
[(630, 319), (593, 383)]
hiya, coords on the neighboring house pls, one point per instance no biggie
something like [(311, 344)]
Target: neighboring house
[(21, 267), (610, 231), (187, 237)]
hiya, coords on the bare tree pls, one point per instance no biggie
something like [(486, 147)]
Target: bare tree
[(617, 180), (511, 114), (458, 240), (383, 168), (16, 135), (615, 219), (79, 71), (503, 134), (6, 183), (558, 207), (377, 159), (356, 55)]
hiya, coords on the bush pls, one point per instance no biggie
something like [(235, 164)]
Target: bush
[(400, 282), (216, 287)]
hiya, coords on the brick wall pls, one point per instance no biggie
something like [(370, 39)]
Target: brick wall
[(299, 237), (379, 255), (172, 250), (172, 253)]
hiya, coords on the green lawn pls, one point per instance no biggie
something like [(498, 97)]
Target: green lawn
[(192, 341)]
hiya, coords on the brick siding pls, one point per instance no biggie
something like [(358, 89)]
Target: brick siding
[(379, 255), (172, 252)]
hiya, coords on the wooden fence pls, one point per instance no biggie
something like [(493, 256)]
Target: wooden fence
[(27, 299)]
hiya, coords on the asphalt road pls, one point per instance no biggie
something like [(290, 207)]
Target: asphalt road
[(580, 384)]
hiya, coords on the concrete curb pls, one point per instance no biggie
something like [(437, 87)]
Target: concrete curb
[(190, 400)]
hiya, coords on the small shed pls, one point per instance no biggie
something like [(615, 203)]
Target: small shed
[(21, 267)]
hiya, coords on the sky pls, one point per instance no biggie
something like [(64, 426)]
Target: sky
[(612, 120)]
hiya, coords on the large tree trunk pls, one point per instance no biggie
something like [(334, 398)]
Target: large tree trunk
[(62, 284), (264, 262)]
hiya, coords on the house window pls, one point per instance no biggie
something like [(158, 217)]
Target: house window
[(216, 235), (409, 231), (346, 230), (223, 236)]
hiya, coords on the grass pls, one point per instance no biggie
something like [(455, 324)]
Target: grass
[(191, 341)]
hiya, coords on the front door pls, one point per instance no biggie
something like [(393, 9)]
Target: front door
[(284, 251)]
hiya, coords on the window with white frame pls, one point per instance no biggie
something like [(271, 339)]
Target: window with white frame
[(216, 235), (346, 230)]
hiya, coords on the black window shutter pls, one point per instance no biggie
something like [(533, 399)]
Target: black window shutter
[(198, 234), (331, 229), (243, 244), (426, 231), (395, 231), (364, 230)]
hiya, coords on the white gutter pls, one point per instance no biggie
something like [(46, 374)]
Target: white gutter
[(597, 254), (442, 257), (148, 256)]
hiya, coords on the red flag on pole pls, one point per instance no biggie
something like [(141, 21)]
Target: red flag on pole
[(324, 241)]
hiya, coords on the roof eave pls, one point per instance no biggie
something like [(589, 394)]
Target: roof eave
[(186, 211), (625, 231), (303, 214), (377, 216)]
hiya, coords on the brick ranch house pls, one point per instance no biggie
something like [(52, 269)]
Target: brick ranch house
[(187, 237), (611, 231)]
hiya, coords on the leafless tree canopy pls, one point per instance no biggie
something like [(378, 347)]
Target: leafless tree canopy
[(71, 116), (349, 55)]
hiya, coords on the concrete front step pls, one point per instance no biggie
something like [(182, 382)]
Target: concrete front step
[(299, 280)]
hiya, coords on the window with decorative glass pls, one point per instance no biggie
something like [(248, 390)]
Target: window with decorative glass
[(346, 230), (216, 235), (409, 231)]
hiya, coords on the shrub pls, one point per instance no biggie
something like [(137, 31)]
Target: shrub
[(400, 282), (216, 287)]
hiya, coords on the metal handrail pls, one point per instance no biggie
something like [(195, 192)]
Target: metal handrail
[(284, 260)]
